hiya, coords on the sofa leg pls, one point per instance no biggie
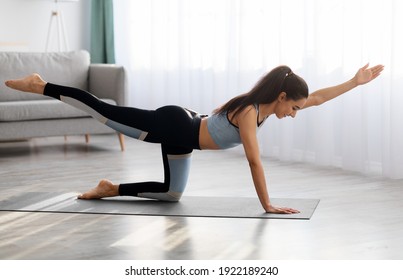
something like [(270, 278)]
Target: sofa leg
[(87, 138), (121, 141)]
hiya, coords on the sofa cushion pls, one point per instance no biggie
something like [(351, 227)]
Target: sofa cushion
[(39, 110), (66, 68)]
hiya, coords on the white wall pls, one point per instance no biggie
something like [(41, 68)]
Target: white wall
[(24, 24)]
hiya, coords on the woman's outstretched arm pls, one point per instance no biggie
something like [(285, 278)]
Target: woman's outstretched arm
[(364, 75)]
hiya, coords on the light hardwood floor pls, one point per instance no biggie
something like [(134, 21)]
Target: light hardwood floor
[(359, 217)]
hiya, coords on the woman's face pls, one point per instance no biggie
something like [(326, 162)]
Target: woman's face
[(288, 107)]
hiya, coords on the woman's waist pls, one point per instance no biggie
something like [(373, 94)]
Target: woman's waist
[(205, 140), (219, 136)]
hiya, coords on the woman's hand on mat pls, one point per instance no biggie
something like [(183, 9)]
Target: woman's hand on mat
[(280, 210)]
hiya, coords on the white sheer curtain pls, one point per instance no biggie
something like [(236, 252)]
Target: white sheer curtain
[(200, 53)]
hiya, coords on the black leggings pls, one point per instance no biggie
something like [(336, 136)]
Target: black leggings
[(174, 127)]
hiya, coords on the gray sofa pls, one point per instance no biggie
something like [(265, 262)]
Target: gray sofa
[(24, 116)]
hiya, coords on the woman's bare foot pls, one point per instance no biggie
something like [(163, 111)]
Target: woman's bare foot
[(105, 188), (32, 83)]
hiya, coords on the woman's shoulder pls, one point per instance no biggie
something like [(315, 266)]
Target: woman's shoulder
[(247, 116), (249, 110)]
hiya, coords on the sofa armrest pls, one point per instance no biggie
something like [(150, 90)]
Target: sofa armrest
[(108, 81)]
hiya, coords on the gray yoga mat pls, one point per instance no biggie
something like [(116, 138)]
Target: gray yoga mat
[(189, 206)]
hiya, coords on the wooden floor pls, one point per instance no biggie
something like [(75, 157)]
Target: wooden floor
[(359, 217)]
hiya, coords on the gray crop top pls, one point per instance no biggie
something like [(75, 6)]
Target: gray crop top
[(224, 133)]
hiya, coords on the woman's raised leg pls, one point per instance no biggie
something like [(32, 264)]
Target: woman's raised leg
[(132, 122)]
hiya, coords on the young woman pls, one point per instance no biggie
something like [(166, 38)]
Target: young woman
[(180, 130)]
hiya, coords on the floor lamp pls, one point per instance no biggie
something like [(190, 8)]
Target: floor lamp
[(56, 19)]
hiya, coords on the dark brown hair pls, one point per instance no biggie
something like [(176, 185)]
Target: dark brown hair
[(267, 90)]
